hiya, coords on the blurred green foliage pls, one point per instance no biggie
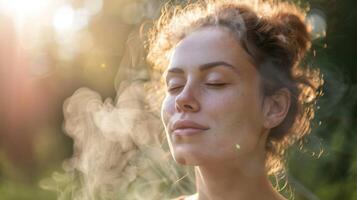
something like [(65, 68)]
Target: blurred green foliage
[(326, 169)]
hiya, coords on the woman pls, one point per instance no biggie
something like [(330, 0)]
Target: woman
[(236, 94)]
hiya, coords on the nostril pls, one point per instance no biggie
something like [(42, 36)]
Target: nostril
[(188, 106), (185, 107), (186, 102)]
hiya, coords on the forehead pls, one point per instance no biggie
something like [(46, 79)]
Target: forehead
[(206, 45)]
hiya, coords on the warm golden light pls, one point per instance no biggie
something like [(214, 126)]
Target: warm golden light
[(63, 18), (22, 8)]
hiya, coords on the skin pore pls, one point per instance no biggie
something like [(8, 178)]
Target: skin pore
[(213, 102)]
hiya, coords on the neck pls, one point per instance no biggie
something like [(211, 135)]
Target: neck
[(233, 181)]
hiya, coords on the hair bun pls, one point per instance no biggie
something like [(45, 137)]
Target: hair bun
[(293, 32)]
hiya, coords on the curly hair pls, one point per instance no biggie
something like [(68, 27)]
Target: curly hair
[(275, 35)]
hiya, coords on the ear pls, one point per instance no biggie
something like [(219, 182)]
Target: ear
[(276, 107)]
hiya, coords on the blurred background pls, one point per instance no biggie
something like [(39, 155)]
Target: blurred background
[(50, 48)]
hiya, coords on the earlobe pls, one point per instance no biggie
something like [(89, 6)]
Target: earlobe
[(276, 107)]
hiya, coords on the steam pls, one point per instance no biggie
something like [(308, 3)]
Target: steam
[(118, 150)]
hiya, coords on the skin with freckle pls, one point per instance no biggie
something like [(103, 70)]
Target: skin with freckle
[(235, 97), (232, 109)]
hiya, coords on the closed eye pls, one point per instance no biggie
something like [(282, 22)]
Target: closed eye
[(216, 84), (175, 88)]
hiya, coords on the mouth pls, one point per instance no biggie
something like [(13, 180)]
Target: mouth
[(187, 128), (187, 131)]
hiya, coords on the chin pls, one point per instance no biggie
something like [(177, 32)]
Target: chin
[(186, 155)]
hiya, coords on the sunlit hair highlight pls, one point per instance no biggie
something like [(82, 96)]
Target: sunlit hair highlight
[(275, 35)]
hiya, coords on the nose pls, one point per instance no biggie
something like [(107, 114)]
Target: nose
[(186, 100)]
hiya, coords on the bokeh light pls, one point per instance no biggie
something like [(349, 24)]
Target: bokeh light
[(63, 19), (318, 23), (50, 48)]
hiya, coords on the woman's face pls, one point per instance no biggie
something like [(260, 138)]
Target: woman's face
[(213, 101)]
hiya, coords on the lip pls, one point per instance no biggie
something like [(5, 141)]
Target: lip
[(187, 128)]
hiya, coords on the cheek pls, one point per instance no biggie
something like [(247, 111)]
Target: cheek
[(167, 110), (237, 115), (235, 106)]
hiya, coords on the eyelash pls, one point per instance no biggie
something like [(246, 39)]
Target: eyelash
[(216, 84), (213, 85), (173, 89)]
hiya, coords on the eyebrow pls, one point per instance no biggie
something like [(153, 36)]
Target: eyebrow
[(203, 67)]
